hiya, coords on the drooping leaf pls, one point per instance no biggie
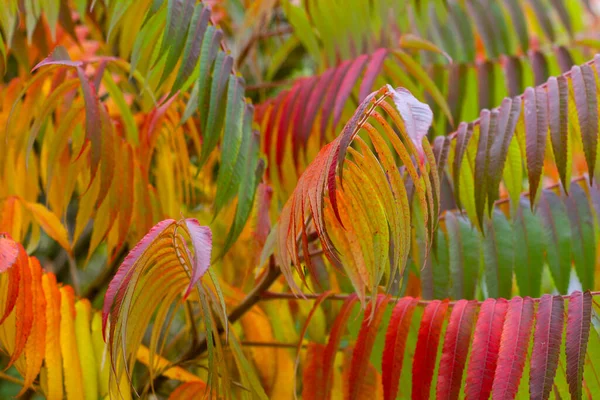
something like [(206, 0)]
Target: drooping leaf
[(427, 348), (584, 89), (530, 244), (536, 130), (485, 349), (556, 222), (558, 92), (546, 345), (454, 352), (364, 345), (498, 256), (513, 347), (583, 236), (395, 343), (579, 314)]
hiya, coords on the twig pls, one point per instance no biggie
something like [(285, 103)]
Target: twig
[(73, 273), (269, 85), (270, 344), (11, 378), (105, 276), (310, 296)]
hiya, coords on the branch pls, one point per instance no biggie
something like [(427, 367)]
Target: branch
[(311, 296)]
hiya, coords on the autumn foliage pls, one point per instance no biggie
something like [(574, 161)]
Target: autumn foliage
[(299, 199)]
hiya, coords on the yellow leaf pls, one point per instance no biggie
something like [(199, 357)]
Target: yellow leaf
[(87, 357), (71, 364), (50, 223)]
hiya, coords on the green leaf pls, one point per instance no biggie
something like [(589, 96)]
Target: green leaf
[(556, 222), (584, 238), (232, 141), (216, 109), (193, 45), (498, 256), (463, 244), (530, 245)]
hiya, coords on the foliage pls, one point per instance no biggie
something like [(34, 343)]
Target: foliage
[(273, 199)]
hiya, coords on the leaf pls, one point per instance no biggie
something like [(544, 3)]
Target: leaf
[(578, 330), (455, 349), (485, 349), (312, 376), (546, 345), (373, 69), (583, 242), (23, 306), (337, 330), (179, 14), (536, 130), (216, 109), (463, 246), (36, 342), (498, 256), (89, 364), (395, 343), (9, 252), (508, 115), (417, 116), (427, 348), (487, 125), (558, 101), (584, 89), (513, 347), (364, 345), (463, 136), (193, 45), (202, 245), (345, 88), (417, 71), (71, 363), (530, 244), (553, 215), (53, 353)]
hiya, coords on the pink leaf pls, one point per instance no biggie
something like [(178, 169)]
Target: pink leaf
[(202, 243)]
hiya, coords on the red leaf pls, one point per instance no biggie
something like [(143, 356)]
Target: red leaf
[(300, 142), (395, 342), (579, 317), (24, 307), (313, 105), (328, 103), (312, 373), (317, 385), (513, 347), (485, 347), (337, 330), (373, 69), (546, 345), (284, 125), (346, 86), (427, 345), (364, 345), (455, 350)]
